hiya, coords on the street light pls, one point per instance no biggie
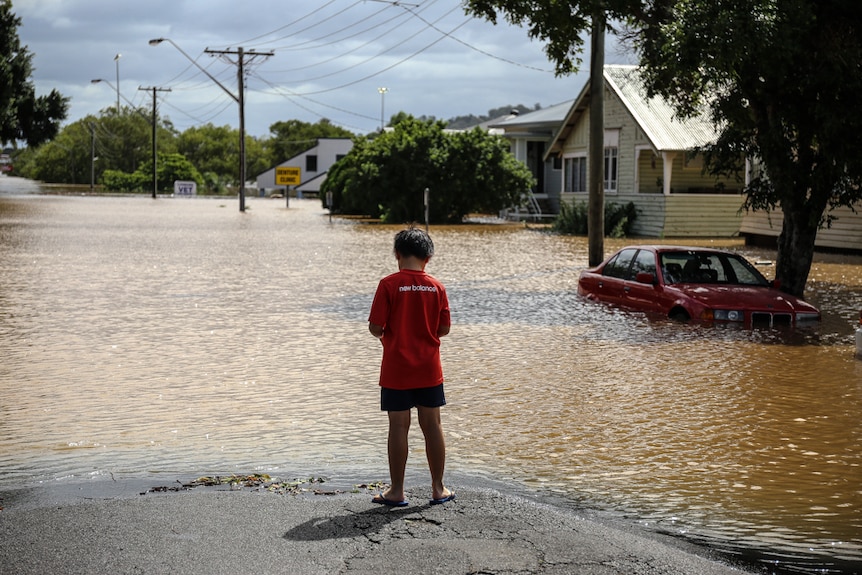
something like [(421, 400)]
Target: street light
[(157, 41), (117, 60), (239, 99), (126, 100), (382, 97)]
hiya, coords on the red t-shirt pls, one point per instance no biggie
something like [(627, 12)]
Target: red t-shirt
[(410, 306)]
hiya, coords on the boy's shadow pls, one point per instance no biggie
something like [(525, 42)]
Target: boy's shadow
[(351, 524)]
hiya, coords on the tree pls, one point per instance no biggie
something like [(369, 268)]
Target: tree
[(784, 80), (464, 172), (110, 141), (170, 167), (294, 137), (65, 159), (214, 151), (23, 115), (563, 25)]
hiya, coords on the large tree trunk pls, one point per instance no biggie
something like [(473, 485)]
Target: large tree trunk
[(795, 251), (803, 205)]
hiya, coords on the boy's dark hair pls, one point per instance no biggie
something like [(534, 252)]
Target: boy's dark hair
[(414, 242)]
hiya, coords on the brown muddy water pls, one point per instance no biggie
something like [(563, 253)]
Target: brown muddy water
[(172, 337)]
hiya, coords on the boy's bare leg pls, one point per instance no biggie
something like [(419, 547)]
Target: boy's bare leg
[(435, 449), (399, 426)]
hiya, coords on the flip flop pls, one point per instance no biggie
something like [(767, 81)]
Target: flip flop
[(383, 501), (442, 500)]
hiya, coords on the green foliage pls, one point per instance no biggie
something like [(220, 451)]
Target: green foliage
[(465, 172), (111, 141), (23, 115), (784, 86), (782, 80), (214, 151), (65, 159), (572, 219), (562, 24), (170, 167), (117, 181)]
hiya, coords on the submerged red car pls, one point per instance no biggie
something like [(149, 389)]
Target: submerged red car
[(686, 283)]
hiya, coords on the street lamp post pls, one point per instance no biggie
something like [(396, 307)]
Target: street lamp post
[(128, 102), (382, 97), (238, 98), (117, 60)]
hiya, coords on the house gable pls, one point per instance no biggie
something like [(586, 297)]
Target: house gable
[(313, 163), (652, 151)]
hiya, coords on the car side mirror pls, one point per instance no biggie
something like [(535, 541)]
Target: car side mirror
[(645, 278), (776, 283)]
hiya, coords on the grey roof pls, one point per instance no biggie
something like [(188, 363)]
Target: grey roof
[(655, 116), (551, 115)]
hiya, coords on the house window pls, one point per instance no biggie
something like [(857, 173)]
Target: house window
[(311, 163), (611, 168), (575, 174)]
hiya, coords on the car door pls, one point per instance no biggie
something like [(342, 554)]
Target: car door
[(640, 295), (613, 279)]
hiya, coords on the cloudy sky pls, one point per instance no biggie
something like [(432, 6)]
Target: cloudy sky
[(329, 59)]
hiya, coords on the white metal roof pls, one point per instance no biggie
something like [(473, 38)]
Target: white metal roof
[(655, 115)]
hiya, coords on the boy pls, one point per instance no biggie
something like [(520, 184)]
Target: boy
[(409, 315)]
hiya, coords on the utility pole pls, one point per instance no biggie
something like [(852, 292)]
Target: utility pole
[(155, 126), (240, 62), (596, 197)]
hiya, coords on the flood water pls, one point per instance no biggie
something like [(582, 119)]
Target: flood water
[(182, 337)]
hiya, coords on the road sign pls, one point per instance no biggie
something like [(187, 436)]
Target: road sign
[(183, 188), (286, 176)]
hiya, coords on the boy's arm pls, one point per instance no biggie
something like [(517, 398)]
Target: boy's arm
[(376, 330), (443, 329)]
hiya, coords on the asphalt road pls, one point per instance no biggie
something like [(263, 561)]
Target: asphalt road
[(121, 527)]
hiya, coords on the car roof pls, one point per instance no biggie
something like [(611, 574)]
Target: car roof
[(673, 248)]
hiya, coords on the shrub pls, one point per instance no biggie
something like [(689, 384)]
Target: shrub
[(573, 217)]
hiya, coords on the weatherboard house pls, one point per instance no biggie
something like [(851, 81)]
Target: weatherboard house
[(529, 136), (650, 159), (313, 164)]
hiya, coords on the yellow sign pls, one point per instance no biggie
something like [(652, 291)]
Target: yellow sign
[(285, 176)]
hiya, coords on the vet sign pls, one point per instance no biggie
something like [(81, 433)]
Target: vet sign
[(287, 176), (182, 188)]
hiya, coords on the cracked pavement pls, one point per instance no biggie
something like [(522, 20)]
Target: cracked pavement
[(484, 531)]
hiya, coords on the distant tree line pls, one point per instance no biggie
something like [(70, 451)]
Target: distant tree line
[(114, 150)]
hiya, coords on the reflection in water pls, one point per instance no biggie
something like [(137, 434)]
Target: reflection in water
[(180, 336)]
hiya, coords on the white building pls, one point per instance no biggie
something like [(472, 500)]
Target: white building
[(313, 165)]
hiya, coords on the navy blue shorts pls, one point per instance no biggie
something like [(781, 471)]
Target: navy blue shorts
[(404, 399)]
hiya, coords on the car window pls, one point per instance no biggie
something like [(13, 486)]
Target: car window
[(644, 262), (707, 268), (671, 266), (692, 267), (745, 273), (618, 266)]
